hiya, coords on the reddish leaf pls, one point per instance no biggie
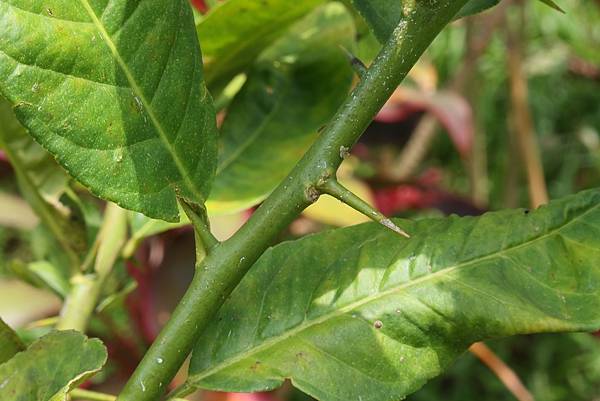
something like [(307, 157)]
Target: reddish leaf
[(452, 111), (214, 396), (424, 194), (200, 5)]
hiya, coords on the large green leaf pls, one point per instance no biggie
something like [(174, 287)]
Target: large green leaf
[(234, 33), (51, 367), (361, 313), (296, 85), (114, 90), (10, 344)]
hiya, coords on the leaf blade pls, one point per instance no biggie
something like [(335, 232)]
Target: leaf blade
[(362, 306), (383, 16), (70, 356), (237, 31), (152, 134), (10, 343)]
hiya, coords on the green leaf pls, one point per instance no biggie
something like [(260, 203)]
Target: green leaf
[(50, 276), (475, 7), (361, 313), (10, 343), (114, 90), (51, 367), (234, 33), (295, 87), (31, 159), (552, 4), (383, 16)]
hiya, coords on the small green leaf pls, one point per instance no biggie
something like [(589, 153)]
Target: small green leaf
[(115, 92), (382, 16), (234, 33), (10, 343), (51, 367), (295, 87), (475, 7), (361, 313), (553, 5), (40, 167), (50, 276)]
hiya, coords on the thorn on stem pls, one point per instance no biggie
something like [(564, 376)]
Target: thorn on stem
[(334, 188), (357, 65)]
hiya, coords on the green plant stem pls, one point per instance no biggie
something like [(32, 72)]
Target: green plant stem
[(87, 288), (79, 393), (221, 271), (334, 188)]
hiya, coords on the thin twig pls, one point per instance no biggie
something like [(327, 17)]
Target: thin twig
[(506, 375), (81, 394), (521, 113)]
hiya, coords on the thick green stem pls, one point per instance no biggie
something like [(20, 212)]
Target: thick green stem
[(221, 271)]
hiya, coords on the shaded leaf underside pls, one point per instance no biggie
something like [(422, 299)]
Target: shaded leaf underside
[(234, 33), (361, 313)]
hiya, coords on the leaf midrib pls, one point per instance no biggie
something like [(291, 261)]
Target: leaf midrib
[(363, 301), (139, 94)]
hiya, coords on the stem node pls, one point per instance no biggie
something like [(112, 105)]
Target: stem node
[(312, 194)]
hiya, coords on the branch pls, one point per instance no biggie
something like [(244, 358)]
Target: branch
[(221, 271), (506, 375), (522, 119), (87, 288), (81, 394)]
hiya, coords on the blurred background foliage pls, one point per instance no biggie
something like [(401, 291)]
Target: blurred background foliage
[(503, 111)]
